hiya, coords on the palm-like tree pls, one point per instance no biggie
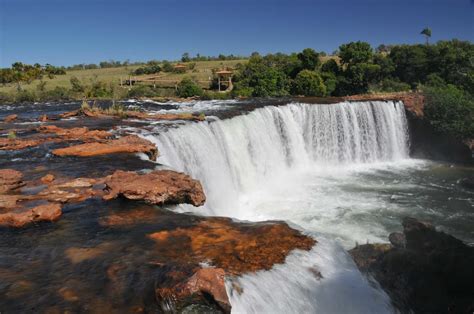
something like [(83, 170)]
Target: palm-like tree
[(427, 33)]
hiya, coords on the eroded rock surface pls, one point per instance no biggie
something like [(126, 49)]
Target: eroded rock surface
[(426, 272), (22, 217), (77, 134), (156, 187), (126, 144), (10, 180), (229, 248)]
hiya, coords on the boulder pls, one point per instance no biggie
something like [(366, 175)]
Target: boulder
[(19, 144), (156, 187), (127, 144), (47, 178), (431, 273), (22, 217), (10, 180)]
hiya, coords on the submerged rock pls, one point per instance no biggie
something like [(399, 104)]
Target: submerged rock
[(126, 144), (10, 180), (432, 273), (22, 217), (156, 187), (10, 118)]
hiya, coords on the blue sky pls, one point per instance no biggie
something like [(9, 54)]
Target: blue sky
[(65, 32)]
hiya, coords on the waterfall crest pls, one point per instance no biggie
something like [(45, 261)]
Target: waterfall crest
[(238, 155)]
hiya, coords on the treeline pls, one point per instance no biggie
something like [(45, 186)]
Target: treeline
[(358, 69), (102, 65), (186, 57), (444, 72), (26, 73)]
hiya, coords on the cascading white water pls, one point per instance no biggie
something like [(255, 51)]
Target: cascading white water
[(294, 163), (236, 156)]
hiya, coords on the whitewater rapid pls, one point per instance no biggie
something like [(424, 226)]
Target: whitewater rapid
[(305, 164)]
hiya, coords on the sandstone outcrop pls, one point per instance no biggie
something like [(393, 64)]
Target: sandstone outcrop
[(22, 217), (126, 144), (229, 248), (426, 271), (76, 134), (156, 187)]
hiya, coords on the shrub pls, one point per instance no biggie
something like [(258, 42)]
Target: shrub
[(390, 85), (6, 98), (25, 96), (142, 91), (188, 88), (309, 83), (58, 93), (450, 110)]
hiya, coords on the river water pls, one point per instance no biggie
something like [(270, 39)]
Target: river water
[(340, 173)]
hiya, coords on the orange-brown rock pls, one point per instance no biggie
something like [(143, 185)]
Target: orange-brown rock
[(230, 248), (10, 118), (414, 102), (22, 217), (83, 133), (236, 248), (127, 144), (79, 254), (167, 116), (69, 114), (10, 180), (43, 118), (48, 178), (9, 201), (209, 281), (156, 187), (18, 144)]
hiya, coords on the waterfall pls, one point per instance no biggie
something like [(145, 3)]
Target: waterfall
[(236, 156), (295, 163)]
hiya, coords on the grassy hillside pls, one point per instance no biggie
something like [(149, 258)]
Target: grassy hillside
[(202, 71)]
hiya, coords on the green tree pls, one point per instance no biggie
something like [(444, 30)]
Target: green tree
[(76, 85), (188, 88), (355, 52), (309, 83), (185, 57), (427, 33), (309, 59)]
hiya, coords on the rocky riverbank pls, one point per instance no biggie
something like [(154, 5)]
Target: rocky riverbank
[(422, 269)]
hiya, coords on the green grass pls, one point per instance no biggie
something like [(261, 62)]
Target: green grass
[(201, 72)]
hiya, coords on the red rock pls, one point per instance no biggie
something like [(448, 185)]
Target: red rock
[(10, 180), (19, 144), (9, 201), (127, 144), (237, 248), (231, 248), (157, 187), (43, 118), (10, 118), (47, 178), (83, 133), (23, 217)]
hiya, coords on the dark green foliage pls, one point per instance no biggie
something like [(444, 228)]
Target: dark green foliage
[(309, 83), (309, 59), (330, 66), (188, 88), (390, 85), (151, 67), (99, 89), (166, 66), (185, 57), (25, 96), (450, 110), (262, 77), (76, 85), (355, 53), (330, 81)]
